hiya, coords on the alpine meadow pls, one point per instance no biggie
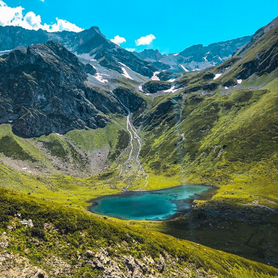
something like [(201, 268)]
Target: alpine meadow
[(145, 163)]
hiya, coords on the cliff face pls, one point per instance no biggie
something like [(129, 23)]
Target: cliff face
[(43, 91)]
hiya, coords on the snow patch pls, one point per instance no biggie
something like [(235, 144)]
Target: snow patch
[(184, 68), (220, 58), (239, 81), (100, 78), (172, 80), (226, 88), (155, 77), (217, 75), (206, 57), (2, 52), (171, 90), (140, 88), (125, 74)]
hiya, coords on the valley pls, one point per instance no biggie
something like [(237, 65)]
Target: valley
[(82, 119)]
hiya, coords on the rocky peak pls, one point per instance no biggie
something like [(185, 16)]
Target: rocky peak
[(191, 50), (150, 54), (90, 41), (43, 91)]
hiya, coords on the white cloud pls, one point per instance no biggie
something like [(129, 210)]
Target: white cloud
[(118, 40), (16, 17), (145, 40), (62, 25), (31, 21)]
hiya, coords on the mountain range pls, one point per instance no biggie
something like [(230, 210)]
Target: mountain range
[(93, 43), (82, 118), (196, 57)]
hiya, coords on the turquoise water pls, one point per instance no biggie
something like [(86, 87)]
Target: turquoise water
[(152, 205)]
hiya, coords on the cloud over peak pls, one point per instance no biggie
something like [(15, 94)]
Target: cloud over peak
[(10, 16), (118, 40), (145, 40)]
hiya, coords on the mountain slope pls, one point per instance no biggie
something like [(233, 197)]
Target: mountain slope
[(64, 241), (43, 90), (49, 94), (221, 124)]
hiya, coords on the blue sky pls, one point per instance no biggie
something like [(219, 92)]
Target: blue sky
[(175, 24)]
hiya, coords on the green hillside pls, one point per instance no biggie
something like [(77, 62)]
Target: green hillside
[(62, 241), (218, 128)]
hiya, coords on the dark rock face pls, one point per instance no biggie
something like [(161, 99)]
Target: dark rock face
[(229, 83), (152, 87), (43, 91), (164, 114), (265, 62), (90, 41), (166, 75), (130, 100), (210, 86), (264, 59), (90, 69), (208, 76)]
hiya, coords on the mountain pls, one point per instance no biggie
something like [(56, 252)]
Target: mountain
[(196, 57), (90, 42), (44, 89), (214, 53), (73, 131), (150, 55), (219, 126), (218, 89)]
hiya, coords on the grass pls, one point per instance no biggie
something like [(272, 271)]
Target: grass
[(19, 148), (66, 190), (226, 140), (91, 140), (70, 225)]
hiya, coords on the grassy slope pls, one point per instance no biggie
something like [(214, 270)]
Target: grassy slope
[(67, 230), (56, 186), (229, 139), (19, 148), (62, 154)]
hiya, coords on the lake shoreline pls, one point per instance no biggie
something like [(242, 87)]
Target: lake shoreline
[(180, 209)]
